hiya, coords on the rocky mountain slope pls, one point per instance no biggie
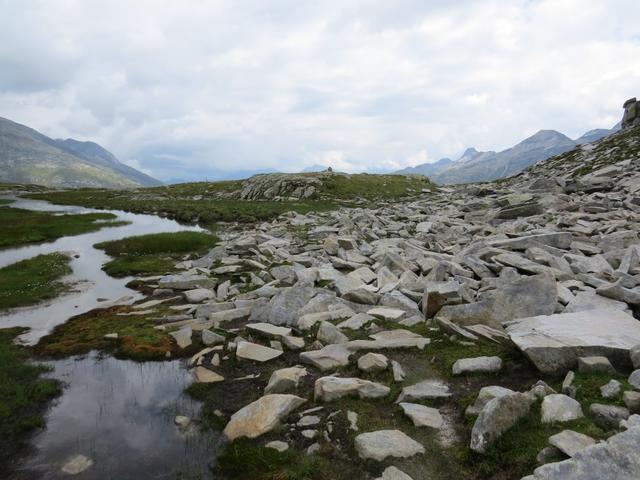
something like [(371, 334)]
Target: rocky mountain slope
[(475, 166), (485, 331), (27, 156)]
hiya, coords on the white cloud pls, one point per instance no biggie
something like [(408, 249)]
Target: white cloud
[(188, 89)]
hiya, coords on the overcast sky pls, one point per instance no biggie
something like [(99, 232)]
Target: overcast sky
[(186, 89)]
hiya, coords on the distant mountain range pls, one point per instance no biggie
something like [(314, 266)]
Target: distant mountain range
[(475, 166), (27, 156)]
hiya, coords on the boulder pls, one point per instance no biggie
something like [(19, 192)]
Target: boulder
[(477, 364), (182, 336), (555, 342), (425, 390), (328, 389), (617, 458), (393, 473), (212, 338), (596, 364), (570, 442), (329, 334), (525, 297), (373, 362), (485, 395), (198, 295), (608, 417), (77, 464), (285, 379), (498, 416), (382, 444), (422, 416), (261, 416), (611, 389), (256, 352), (560, 408), (204, 375)]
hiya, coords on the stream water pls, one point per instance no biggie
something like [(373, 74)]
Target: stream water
[(118, 413)]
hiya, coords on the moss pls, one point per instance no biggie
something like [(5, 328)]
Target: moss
[(23, 395), (588, 388), (155, 253), (21, 227), (34, 280), (514, 453), (244, 460), (138, 338)]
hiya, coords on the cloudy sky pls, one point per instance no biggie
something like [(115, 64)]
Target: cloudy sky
[(193, 89)]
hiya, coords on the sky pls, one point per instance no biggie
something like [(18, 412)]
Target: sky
[(201, 89)]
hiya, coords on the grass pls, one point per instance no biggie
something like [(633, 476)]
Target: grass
[(155, 253), (374, 187), (34, 280), (137, 337), (23, 395), (21, 227), (247, 461), (204, 211)]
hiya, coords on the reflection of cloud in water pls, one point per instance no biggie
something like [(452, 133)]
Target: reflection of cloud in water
[(120, 413)]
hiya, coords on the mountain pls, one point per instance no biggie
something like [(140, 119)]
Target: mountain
[(426, 169), (474, 166), (595, 135), (27, 156)]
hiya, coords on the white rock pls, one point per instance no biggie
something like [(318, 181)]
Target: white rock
[(77, 464), (285, 379), (382, 444), (425, 390), (331, 388), (256, 352), (477, 364), (261, 416), (204, 375), (373, 362), (278, 445), (570, 442), (560, 408), (422, 416)]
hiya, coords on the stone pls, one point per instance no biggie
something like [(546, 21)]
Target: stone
[(398, 372), (373, 362), (285, 379), (425, 390), (570, 442), (595, 364), (278, 445), (477, 364), (198, 295), (611, 390), (352, 417), (186, 281), (204, 375), (268, 330), (522, 298), (212, 338), (608, 417), (567, 384), (634, 354), (328, 389), (393, 473), (256, 352), (76, 465), (387, 313), (617, 458), (423, 416), (182, 336), (329, 334), (356, 322), (438, 294), (560, 408), (181, 421), (590, 300), (308, 421), (634, 379), (485, 395), (261, 416), (632, 401), (327, 358), (498, 415), (554, 342), (382, 444)]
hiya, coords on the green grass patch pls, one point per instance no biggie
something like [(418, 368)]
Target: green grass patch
[(194, 208), (244, 460), (374, 187), (23, 394), (21, 227), (34, 280), (137, 337), (153, 254), (5, 201), (514, 453)]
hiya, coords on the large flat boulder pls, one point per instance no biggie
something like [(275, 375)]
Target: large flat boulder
[(386, 443), (555, 342), (525, 297), (261, 416), (328, 389), (617, 458)]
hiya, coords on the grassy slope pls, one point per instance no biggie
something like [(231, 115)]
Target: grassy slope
[(23, 395), (21, 227), (153, 254), (33, 280)]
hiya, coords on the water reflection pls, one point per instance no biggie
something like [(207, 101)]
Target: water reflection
[(87, 268), (120, 414)]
